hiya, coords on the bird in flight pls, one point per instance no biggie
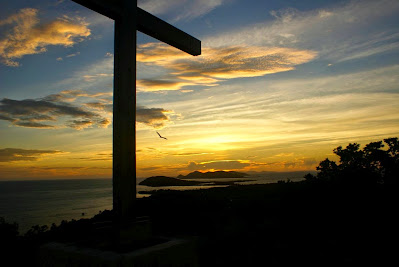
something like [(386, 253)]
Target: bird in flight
[(160, 136)]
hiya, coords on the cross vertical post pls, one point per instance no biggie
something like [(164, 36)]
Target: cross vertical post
[(124, 113), (128, 19)]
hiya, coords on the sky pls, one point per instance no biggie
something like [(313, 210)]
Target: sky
[(278, 86)]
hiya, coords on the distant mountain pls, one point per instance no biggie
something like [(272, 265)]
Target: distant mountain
[(282, 175), (212, 175), (156, 181)]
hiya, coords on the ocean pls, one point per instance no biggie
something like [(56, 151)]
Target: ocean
[(44, 202)]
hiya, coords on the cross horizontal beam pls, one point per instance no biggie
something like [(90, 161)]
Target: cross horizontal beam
[(148, 24), (163, 31)]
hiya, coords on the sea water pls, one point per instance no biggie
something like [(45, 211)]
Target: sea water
[(50, 201), (46, 202)]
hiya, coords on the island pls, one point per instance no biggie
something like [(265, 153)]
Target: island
[(213, 175)]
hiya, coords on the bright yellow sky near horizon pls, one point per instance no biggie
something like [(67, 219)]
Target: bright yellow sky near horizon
[(278, 86)]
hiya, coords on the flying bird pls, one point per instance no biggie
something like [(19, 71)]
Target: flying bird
[(160, 136)]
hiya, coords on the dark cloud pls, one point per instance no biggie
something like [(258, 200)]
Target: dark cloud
[(49, 112), (37, 113), (33, 107), (32, 124), (5, 118), (155, 117), (18, 154)]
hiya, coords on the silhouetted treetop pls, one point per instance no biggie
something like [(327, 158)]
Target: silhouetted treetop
[(372, 164)]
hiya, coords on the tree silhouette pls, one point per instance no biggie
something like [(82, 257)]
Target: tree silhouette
[(372, 164)]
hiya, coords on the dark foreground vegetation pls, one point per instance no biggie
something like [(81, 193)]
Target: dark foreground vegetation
[(344, 216)]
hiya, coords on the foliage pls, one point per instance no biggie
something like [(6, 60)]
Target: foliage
[(36, 230), (8, 231), (372, 164)]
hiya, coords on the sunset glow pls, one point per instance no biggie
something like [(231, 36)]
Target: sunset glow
[(278, 86)]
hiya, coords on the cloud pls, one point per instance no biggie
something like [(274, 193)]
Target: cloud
[(31, 107), (217, 64), (18, 154), (100, 106), (354, 29), (154, 117), (80, 124), (299, 163), (73, 55), (48, 112), (90, 78), (180, 9), (25, 35), (104, 123), (160, 85), (190, 154), (218, 165)]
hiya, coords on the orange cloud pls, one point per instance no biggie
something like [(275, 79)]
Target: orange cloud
[(90, 78), (81, 124), (217, 64), (218, 165), (28, 36), (161, 85), (18, 154)]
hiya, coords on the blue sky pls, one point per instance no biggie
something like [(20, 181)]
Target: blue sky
[(279, 85)]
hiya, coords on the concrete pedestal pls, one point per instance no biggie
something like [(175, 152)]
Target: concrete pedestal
[(173, 252)]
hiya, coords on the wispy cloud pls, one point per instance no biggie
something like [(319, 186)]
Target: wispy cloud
[(299, 118), (218, 165), (91, 77), (100, 106), (18, 154), (216, 65), (73, 54), (180, 9), (25, 35), (347, 30)]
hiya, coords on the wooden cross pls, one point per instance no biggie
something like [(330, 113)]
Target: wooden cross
[(129, 18)]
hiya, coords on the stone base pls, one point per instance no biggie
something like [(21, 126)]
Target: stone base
[(173, 252)]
